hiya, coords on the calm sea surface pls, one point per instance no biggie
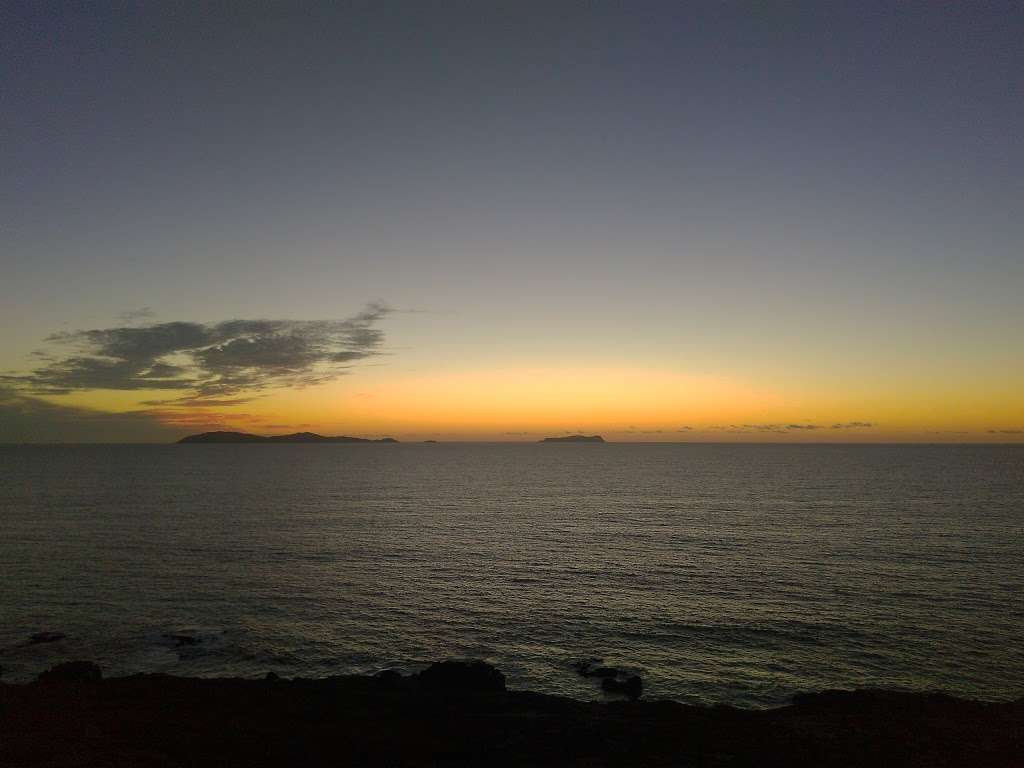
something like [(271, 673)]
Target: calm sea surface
[(736, 574)]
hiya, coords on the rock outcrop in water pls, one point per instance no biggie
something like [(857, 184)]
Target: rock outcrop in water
[(38, 638), (297, 437), (459, 715), (574, 439), (625, 685), (45, 637), (613, 680)]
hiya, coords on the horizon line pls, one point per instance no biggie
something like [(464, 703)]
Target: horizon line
[(539, 442)]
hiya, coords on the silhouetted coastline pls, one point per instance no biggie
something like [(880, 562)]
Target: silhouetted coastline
[(296, 437), (460, 713), (574, 439)]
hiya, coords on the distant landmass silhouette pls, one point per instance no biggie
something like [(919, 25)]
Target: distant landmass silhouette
[(574, 439), (297, 437)]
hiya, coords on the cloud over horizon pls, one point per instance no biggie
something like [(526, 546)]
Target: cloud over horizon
[(782, 429), (210, 364), (26, 419)]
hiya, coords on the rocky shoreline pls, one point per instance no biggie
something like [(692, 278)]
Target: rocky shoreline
[(460, 713)]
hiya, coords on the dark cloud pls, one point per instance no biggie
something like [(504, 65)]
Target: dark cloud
[(1006, 431), (853, 425), (213, 361), (804, 426), (685, 429), (79, 373), (197, 401)]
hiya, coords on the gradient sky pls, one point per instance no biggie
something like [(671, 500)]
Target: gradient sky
[(656, 221)]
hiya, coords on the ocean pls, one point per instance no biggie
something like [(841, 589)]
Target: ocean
[(736, 574)]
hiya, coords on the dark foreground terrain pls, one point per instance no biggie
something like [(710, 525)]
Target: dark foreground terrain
[(459, 715)]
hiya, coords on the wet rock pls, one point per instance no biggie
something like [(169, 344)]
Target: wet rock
[(389, 676), (613, 680), (72, 672), (584, 666), (180, 641), (631, 686), (462, 677), (45, 637), (272, 677), (593, 668)]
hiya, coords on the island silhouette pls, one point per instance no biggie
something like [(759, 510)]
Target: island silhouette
[(295, 437), (574, 439)]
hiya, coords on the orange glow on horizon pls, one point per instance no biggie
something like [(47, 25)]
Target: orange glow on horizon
[(622, 403)]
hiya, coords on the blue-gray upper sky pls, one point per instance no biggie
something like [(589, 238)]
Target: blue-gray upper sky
[(724, 188)]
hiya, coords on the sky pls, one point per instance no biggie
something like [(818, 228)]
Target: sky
[(711, 221)]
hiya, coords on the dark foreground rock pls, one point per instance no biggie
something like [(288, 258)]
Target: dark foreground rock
[(462, 677), (432, 720), (72, 672)]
